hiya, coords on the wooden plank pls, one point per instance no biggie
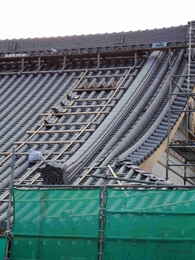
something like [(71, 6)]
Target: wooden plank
[(101, 76), (70, 124), (88, 106), (94, 99), (74, 113), (25, 153), (59, 131), (95, 89), (50, 142)]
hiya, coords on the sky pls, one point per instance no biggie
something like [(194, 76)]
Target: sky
[(46, 18)]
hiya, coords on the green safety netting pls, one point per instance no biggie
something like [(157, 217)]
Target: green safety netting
[(150, 225), (3, 244), (56, 224), (61, 224)]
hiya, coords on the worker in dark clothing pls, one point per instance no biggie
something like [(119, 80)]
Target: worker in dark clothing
[(52, 174), (56, 112), (62, 104), (69, 97), (46, 124), (2, 227)]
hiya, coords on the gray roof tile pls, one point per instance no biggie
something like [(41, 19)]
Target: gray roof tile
[(172, 34)]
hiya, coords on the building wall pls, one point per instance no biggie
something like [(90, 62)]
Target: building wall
[(159, 168)]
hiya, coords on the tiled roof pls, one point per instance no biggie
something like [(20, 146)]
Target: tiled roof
[(25, 97), (172, 34), (114, 120)]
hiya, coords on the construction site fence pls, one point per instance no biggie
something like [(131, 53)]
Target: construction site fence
[(103, 223), (3, 246)]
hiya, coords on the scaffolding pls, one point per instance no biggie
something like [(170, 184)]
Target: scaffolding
[(183, 147), (7, 226)]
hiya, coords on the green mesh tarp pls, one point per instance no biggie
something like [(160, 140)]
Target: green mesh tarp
[(117, 224), (150, 225), (3, 244), (56, 224)]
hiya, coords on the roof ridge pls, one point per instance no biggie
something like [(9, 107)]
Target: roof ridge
[(92, 35)]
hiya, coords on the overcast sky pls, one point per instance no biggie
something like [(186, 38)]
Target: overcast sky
[(44, 18)]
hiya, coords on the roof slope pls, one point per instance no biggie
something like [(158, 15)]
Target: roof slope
[(136, 126), (23, 98), (121, 126), (113, 118)]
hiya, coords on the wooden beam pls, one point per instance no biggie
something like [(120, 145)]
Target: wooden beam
[(110, 51), (88, 106), (45, 153), (50, 142), (70, 124), (101, 76), (94, 99), (73, 113), (59, 131), (95, 89)]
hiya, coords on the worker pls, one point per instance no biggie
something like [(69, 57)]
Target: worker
[(62, 104), (2, 227), (69, 97), (46, 124), (34, 156), (56, 112)]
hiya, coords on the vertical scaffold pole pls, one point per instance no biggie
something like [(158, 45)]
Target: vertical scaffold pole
[(102, 221), (189, 57), (189, 76), (169, 128), (9, 209), (11, 182)]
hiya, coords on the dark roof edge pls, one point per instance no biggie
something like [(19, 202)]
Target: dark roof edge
[(94, 34), (133, 38)]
